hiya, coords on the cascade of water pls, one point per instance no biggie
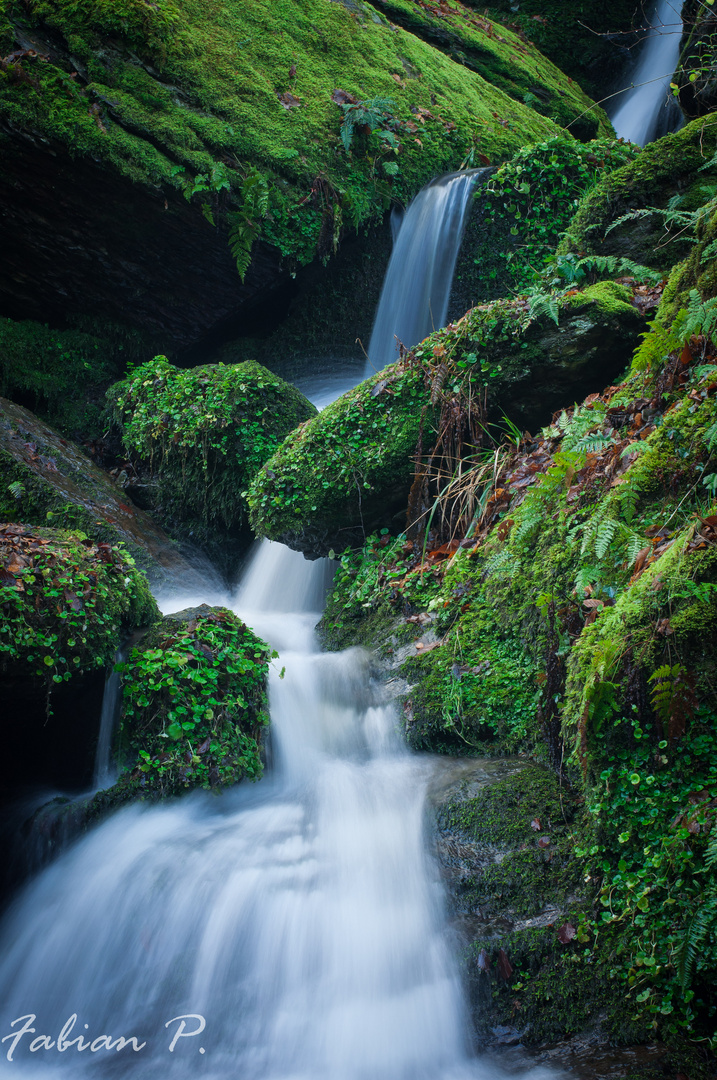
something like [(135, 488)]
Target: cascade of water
[(291, 930), (104, 771), (647, 110), (417, 286), (300, 918)]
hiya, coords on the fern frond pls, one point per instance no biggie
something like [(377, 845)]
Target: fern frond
[(604, 536), (702, 923), (592, 443)]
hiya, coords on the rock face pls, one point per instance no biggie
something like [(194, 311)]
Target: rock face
[(349, 471), (201, 435), (503, 843), (166, 154), (48, 480)]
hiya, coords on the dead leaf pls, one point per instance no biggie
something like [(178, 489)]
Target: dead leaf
[(566, 933), (503, 965), (543, 842), (535, 824)]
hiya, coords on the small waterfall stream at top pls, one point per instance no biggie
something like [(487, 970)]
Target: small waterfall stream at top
[(646, 110), (417, 286), (289, 930)]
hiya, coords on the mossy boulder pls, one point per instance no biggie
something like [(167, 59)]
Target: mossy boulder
[(589, 42), (67, 603), (194, 706), (678, 170), (215, 136), (349, 471), (491, 50), (47, 480), (202, 434)]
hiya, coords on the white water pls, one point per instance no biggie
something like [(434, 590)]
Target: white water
[(105, 772), (416, 289), (301, 917), (647, 110)]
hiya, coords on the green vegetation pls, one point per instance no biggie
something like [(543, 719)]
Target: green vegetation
[(67, 603), (209, 103), (60, 374), (521, 211), (675, 175), (194, 705), (204, 432)]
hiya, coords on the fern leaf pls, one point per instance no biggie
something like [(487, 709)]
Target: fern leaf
[(604, 536)]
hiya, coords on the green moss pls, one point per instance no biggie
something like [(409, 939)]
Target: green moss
[(521, 211), (666, 171), (67, 603), (492, 51), (190, 99), (193, 705), (204, 432)]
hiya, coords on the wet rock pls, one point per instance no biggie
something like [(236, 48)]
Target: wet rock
[(47, 480)]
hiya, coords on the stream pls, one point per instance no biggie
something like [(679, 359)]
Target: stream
[(290, 930)]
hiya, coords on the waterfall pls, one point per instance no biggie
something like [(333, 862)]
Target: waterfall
[(295, 925), (647, 110), (416, 289), (289, 930), (104, 772)]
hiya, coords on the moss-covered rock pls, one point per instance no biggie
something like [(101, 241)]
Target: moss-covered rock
[(47, 480), (67, 603), (210, 129), (491, 50), (520, 213), (589, 42), (677, 170), (202, 434), (349, 471), (193, 706)]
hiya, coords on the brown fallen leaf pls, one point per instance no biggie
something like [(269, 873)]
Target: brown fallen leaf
[(566, 933), (503, 965)]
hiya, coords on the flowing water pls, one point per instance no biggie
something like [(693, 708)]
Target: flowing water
[(647, 109), (416, 289), (295, 925), (288, 930)]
